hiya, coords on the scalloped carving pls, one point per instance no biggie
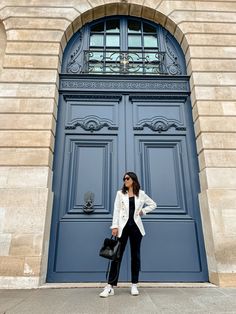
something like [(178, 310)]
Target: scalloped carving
[(91, 123), (159, 124)]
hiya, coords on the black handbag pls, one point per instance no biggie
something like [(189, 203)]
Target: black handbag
[(111, 249)]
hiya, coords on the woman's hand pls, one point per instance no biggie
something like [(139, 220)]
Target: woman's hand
[(141, 213), (114, 232)]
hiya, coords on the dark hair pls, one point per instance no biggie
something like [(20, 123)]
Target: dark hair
[(136, 185)]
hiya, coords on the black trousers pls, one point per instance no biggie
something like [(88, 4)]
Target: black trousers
[(133, 233)]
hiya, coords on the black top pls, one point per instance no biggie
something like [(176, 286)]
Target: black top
[(131, 211)]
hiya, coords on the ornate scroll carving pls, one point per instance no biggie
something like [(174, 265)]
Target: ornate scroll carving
[(159, 124), (172, 64), (74, 63), (91, 123)]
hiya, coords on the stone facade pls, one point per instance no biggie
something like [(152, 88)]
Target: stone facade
[(33, 35)]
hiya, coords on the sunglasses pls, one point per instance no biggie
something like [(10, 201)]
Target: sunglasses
[(126, 179)]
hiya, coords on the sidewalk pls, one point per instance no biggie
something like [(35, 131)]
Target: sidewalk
[(152, 300)]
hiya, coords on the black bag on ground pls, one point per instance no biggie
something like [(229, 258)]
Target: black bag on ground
[(110, 249)]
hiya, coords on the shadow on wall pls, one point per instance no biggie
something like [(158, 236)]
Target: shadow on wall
[(3, 42)]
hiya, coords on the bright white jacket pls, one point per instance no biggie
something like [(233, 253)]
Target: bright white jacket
[(121, 210)]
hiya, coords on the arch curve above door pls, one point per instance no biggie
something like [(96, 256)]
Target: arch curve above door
[(123, 45)]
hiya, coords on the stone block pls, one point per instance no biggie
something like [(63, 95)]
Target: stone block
[(211, 39), (41, 11), (77, 23), (135, 10), (28, 105), (2, 212), (202, 53), (21, 177), (180, 16), (42, 48), (148, 13), (214, 124), (207, 28), (32, 266), (22, 282), (214, 108), (167, 7), (209, 78), (217, 158), (152, 3), (11, 266), (99, 12), (26, 157), (218, 178), (16, 198), (87, 16), (5, 241), (111, 9), (30, 62), (216, 141), (26, 245), (29, 75), (207, 232), (36, 23), (23, 121), (224, 93), (26, 139)]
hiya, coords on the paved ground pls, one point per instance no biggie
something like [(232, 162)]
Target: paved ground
[(173, 300)]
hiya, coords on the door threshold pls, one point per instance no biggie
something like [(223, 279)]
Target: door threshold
[(127, 284)]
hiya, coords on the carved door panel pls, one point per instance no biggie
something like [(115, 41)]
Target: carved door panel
[(99, 137)]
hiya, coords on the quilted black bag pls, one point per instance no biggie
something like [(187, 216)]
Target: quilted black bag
[(111, 249)]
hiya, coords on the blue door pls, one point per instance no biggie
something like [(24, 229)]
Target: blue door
[(124, 106), (99, 137)]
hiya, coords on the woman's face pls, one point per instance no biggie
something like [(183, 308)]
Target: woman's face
[(128, 181)]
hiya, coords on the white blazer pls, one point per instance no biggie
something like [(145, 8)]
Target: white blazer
[(121, 210)]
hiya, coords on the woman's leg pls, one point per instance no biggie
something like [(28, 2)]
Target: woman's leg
[(135, 243), (115, 266)]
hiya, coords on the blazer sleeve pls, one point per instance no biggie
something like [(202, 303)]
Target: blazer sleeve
[(151, 205), (115, 219)]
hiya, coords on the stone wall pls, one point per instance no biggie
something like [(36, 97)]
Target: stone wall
[(35, 33)]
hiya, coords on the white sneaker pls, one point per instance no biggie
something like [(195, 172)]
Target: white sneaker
[(108, 290), (134, 289)]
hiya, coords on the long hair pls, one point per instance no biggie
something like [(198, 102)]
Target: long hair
[(136, 185)]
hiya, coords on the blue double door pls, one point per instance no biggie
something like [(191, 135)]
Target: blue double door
[(99, 137)]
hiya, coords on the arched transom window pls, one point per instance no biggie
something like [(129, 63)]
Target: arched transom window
[(124, 45)]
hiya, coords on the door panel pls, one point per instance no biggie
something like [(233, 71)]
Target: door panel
[(99, 137)]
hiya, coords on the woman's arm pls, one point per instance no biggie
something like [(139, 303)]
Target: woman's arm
[(115, 219), (151, 205)]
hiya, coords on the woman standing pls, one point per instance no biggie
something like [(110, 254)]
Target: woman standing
[(127, 223)]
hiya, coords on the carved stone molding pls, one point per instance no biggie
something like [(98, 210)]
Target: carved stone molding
[(110, 84), (159, 124), (91, 123)]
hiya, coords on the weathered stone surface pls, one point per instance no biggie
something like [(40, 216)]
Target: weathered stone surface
[(28, 105), (5, 242), (11, 266), (26, 244), (217, 158), (32, 266), (32, 61), (214, 124), (26, 157), (21, 177), (26, 121), (26, 139), (218, 178), (214, 108), (216, 141), (42, 48), (29, 75)]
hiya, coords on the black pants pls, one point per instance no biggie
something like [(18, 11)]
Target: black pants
[(133, 233)]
